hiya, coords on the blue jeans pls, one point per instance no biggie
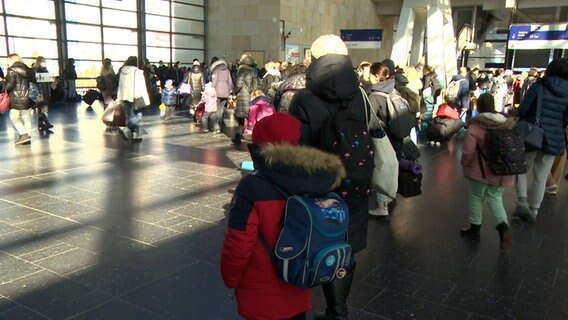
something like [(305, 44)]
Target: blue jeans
[(132, 118)]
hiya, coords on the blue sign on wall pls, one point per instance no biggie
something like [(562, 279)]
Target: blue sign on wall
[(543, 36), (362, 38)]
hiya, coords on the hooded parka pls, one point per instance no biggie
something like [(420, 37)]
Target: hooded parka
[(256, 211)]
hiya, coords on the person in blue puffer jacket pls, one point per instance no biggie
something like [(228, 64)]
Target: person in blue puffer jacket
[(169, 99), (553, 121)]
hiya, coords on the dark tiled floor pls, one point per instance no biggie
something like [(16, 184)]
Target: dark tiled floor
[(95, 228)]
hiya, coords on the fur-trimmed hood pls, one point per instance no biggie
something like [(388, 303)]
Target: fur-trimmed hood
[(493, 121), (299, 169)]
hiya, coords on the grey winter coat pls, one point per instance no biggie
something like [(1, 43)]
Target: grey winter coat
[(288, 89)]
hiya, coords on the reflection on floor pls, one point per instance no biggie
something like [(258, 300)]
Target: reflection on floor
[(92, 227)]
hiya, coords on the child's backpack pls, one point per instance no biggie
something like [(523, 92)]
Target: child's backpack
[(506, 153), (346, 136), (401, 119), (453, 91), (312, 247)]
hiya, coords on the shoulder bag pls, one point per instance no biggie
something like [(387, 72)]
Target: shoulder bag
[(4, 102), (385, 173), (138, 102), (532, 133)]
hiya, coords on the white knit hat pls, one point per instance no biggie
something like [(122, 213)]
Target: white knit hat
[(328, 44)]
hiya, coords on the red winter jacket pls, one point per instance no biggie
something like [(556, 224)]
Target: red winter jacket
[(256, 210)]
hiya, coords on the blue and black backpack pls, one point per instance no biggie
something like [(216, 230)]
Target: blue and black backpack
[(312, 248)]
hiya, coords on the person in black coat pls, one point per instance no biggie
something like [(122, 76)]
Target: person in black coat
[(553, 121), (246, 83), (331, 83), (17, 85), (44, 83)]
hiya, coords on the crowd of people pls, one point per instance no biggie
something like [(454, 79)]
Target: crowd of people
[(285, 112)]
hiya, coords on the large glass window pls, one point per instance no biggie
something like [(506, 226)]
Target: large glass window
[(98, 29), (157, 23), (31, 28), (188, 26), (158, 7), (120, 36), (81, 32), (187, 11), (84, 14), (31, 8), (31, 48), (119, 18)]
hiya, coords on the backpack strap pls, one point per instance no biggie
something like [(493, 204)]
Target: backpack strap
[(262, 240), (390, 105)]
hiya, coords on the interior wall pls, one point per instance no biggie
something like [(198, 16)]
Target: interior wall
[(242, 25), (239, 25), (309, 19)]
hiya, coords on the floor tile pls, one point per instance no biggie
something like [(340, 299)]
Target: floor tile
[(117, 310)]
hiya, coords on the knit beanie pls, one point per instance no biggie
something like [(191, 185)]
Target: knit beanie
[(328, 44), (278, 128)]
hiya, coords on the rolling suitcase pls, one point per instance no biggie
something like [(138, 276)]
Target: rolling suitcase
[(443, 129)]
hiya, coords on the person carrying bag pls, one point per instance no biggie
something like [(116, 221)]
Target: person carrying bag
[(133, 96)]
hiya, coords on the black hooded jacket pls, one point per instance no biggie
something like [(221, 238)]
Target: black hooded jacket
[(331, 83), (17, 85)]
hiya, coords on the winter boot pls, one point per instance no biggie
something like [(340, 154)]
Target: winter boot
[(504, 236), (472, 232), (336, 294)]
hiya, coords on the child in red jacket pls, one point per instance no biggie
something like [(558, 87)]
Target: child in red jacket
[(256, 211)]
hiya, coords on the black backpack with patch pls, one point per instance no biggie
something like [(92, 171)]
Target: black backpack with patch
[(346, 136)]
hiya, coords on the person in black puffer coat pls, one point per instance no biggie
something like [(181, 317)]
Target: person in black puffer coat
[(42, 77), (331, 83), (553, 121), (17, 85), (246, 83)]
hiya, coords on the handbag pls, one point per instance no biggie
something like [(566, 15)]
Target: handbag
[(35, 93), (4, 102), (185, 88), (139, 102), (385, 173), (532, 133)]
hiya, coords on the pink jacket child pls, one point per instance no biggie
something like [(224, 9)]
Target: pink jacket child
[(209, 98), (260, 107), (476, 137)]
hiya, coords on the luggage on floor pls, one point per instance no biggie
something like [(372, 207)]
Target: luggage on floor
[(442, 129), (409, 184), (447, 111), (90, 96), (409, 149)]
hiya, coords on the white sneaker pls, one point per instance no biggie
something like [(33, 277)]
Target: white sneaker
[(382, 210), (552, 190)]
